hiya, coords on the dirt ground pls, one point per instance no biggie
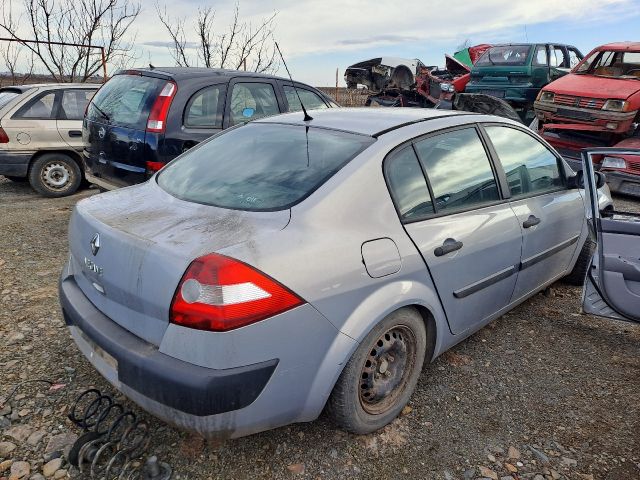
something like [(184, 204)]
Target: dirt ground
[(542, 393)]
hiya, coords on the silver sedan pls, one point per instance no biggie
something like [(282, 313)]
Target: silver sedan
[(285, 267)]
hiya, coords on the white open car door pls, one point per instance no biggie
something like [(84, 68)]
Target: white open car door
[(612, 286)]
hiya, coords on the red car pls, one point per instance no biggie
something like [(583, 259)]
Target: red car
[(596, 105)]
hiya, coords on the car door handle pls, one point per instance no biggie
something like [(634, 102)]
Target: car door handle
[(531, 221), (75, 133), (449, 245)]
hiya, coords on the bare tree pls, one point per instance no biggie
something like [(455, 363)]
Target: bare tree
[(80, 22), (12, 55), (242, 44)]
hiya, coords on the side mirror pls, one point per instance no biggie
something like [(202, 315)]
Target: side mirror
[(601, 179), (577, 180)]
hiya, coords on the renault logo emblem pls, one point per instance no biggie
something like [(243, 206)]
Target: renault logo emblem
[(95, 244), (102, 132)]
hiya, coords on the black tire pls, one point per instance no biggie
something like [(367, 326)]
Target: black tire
[(396, 345), (579, 272), (55, 175), (16, 179)]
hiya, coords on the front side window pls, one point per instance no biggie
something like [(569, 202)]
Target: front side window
[(252, 100), (41, 107), (205, 108), (531, 167), (407, 185), (260, 166), (505, 55), (74, 103), (310, 100), (458, 170)]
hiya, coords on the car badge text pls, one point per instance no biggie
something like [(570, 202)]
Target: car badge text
[(92, 266)]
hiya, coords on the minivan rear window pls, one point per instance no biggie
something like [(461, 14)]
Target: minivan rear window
[(260, 166), (125, 101)]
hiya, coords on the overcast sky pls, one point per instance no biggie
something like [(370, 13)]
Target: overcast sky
[(318, 36)]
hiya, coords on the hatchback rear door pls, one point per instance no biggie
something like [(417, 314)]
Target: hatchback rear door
[(612, 286), (115, 128)]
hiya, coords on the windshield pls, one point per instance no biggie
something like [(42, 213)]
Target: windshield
[(125, 100), (260, 166), (505, 55), (7, 95), (611, 64)]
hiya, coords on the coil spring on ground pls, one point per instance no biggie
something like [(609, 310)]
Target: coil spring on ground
[(113, 441)]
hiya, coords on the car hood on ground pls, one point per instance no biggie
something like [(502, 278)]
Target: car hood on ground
[(147, 240), (594, 87)]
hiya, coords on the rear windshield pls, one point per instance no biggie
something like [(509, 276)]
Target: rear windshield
[(260, 166), (505, 55), (125, 101), (7, 95)]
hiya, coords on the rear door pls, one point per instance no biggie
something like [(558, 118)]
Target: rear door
[(550, 214), (115, 128), (612, 286), (251, 98), (73, 104), (465, 230)]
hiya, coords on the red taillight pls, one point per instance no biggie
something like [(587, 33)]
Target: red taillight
[(4, 138), (219, 293), (157, 121), (153, 167)]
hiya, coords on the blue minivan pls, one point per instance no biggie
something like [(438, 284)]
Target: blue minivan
[(143, 118)]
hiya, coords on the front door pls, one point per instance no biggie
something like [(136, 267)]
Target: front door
[(550, 215), (466, 232), (612, 286)]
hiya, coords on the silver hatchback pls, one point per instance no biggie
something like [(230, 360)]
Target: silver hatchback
[(284, 267)]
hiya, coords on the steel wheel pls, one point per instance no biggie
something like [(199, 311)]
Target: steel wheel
[(386, 371), (56, 175)]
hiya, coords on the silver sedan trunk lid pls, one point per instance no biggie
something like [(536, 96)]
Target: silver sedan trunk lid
[(130, 248)]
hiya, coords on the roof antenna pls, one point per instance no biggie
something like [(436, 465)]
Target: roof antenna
[(307, 117)]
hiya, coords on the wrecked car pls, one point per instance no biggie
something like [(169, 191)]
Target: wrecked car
[(596, 105), (517, 72), (383, 72), (432, 85)]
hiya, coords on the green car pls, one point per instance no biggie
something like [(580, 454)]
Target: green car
[(517, 72)]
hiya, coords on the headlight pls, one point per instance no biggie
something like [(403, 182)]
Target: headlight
[(615, 105), (447, 87), (546, 96), (613, 162)]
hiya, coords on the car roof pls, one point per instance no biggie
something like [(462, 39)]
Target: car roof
[(24, 88), (364, 121), (185, 73), (620, 46)]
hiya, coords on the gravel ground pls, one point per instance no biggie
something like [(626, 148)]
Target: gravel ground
[(541, 393)]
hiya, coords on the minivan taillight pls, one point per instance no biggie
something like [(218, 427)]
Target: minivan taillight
[(4, 138), (219, 293), (157, 121)]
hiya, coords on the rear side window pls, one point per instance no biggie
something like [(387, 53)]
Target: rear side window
[(407, 185), (74, 103), (260, 166), (252, 100), (205, 109), (7, 95), (310, 100), (41, 107), (125, 100), (531, 168), (458, 170)]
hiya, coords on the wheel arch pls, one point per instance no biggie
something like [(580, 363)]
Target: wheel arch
[(75, 156)]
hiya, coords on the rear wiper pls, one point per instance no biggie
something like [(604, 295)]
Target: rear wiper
[(101, 112)]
